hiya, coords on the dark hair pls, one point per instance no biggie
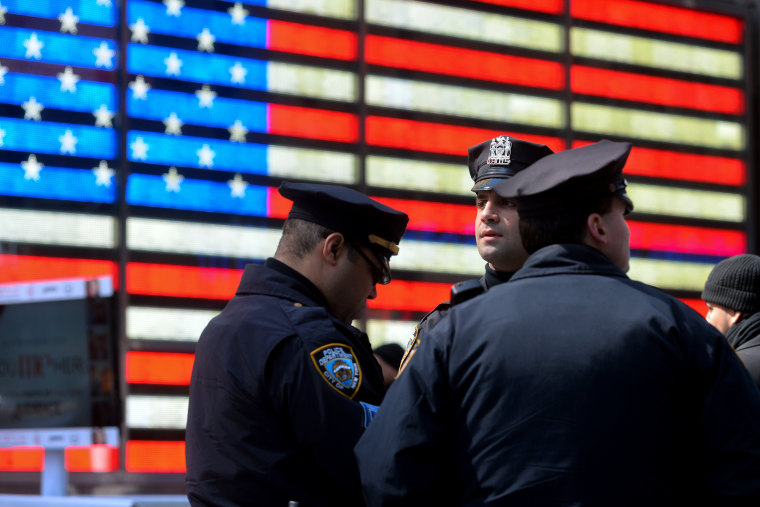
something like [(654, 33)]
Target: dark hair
[(569, 226), (299, 237)]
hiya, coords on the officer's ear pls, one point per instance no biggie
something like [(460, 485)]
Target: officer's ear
[(333, 247), (596, 230)]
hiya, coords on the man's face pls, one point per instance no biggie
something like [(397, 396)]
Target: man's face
[(497, 232), (720, 317), (618, 249), (356, 282)]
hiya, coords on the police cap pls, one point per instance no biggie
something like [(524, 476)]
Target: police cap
[(568, 180), (501, 157), (359, 218)]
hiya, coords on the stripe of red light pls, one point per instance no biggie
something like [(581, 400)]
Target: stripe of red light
[(470, 63), (683, 166), (656, 90), (311, 40), (438, 137), (661, 18)]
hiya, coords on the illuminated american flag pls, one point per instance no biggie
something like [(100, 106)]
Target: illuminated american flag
[(167, 151)]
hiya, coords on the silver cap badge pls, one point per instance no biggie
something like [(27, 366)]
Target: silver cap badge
[(501, 151)]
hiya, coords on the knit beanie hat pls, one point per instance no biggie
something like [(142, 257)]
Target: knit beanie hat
[(735, 284)]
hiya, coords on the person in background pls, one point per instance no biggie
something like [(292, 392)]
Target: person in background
[(496, 225), (571, 384), (732, 295), (283, 386), (389, 358)]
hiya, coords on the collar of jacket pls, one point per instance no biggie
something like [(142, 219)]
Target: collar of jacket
[(493, 278), (277, 279), (568, 259), (744, 330)]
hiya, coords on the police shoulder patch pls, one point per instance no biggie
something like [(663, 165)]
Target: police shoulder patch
[(338, 366)]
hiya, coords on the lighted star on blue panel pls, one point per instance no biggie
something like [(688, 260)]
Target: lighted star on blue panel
[(49, 92), (49, 137), (159, 104), (92, 12), (188, 151), (191, 22), (200, 195), (197, 67), (52, 47), (54, 183)]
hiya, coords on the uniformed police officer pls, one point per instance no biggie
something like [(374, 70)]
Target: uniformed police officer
[(283, 385), (496, 224), (571, 384)]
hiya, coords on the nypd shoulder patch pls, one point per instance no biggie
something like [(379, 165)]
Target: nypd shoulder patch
[(338, 366)]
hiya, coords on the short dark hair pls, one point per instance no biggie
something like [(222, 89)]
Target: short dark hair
[(299, 237), (538, 231)]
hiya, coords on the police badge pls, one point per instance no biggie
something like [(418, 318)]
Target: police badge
[(338, 366), (501, 151)]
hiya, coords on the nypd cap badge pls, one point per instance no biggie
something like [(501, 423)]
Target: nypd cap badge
[(338, 366)]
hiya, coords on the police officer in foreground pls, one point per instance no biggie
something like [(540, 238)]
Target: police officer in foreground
[(496, 224), (283, 385), (571, 384)]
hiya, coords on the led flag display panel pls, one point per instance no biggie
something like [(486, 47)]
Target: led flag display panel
[(145, 140)]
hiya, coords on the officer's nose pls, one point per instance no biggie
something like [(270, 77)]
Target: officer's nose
[(373, 293), (488, 213)]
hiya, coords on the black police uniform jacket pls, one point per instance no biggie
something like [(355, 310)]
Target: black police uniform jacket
[(473, 289), (570, 385), (275, 397)]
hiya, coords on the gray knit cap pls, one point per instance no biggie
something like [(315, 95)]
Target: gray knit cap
[(735, 284)]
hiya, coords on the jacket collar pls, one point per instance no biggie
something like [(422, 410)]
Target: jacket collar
[(568, 259), (277, 279), (744, 331)]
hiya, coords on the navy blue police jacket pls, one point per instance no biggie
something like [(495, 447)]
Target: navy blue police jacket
[(280, 392), (570, 385), (434, 316)]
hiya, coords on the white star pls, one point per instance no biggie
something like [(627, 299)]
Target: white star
[(103, 174), (32, 109), (106, 3), (237, 186), (173, 124), (33, 46), (237, 73), (174, 7), (206, 41), (32, 168), (173, 64), (205, 96), (205, 156), (139, 88), (173, 179), (237, 132), (68, 21), (2, 136), (139, 149), (68, 80), (68, 142), (103, 117), (3, 10), (238, 13), (103, 55), (3, 71), (140, 31)]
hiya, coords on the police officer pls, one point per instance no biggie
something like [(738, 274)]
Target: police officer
[(571, 384), (496, 224), (283, 385)]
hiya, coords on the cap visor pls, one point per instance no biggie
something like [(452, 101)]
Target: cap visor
[(486, 184)]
